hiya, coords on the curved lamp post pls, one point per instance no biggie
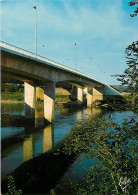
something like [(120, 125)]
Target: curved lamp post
[(35, 29), (76, 56)]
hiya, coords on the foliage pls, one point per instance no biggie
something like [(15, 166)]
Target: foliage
[(62, 98), (113, 149), (11, 187), (130, 75), (52, 192), (134, 3), (127, 102), (11, 87), (131, 103)]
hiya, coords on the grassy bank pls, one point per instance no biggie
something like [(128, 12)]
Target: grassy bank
[(19, 96), (12, 96), (62, 98)]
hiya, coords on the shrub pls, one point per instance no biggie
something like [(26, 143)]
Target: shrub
[(112, 148)]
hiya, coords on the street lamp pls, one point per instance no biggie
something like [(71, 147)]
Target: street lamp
[(35, 29), (76, 55)]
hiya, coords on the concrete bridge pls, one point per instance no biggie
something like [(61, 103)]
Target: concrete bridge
[(35, 71)]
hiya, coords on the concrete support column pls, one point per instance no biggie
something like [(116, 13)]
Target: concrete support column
[(29, 98), (79, 95), (98, 93), (39, 117), (89, 96), (39, 93), (49, 101)]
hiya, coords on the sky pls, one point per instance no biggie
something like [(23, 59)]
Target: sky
[(87, 35)]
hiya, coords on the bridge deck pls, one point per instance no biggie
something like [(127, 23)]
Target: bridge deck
[(21, 52)]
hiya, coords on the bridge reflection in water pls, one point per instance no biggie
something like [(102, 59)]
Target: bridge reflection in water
[(48, 138), (48, 131), (28, 148), (39, 117), (29, 143)]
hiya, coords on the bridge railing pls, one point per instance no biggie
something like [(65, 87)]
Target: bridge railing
[(42, 59)]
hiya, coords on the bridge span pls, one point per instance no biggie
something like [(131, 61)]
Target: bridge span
[(36, 71)]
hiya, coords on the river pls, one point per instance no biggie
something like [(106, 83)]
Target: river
[(36, 142)]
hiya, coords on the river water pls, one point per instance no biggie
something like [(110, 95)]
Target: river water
[(36, 142)]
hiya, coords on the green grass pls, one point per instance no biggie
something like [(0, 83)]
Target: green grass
[(19, 96), (62, 98)]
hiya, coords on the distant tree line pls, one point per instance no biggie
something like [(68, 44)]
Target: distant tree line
[(12, 87)]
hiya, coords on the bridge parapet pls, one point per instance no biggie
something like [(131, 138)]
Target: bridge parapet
[(21, 52)]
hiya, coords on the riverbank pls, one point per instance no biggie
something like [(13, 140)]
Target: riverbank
[(41, 174), (11, 101), (125, 102), (19, 97), (12, 96), (60, 100)]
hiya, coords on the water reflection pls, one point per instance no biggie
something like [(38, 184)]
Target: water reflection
[(28, 148), (30, 142), (39, 140), (48, 138), (64, 111), (39, 117), (87, 112), (79, 115), (94, 112), (12, 108)]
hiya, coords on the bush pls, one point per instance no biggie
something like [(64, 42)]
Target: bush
[(112, 148), (11, 187)]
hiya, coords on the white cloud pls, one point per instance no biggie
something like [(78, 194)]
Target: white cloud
[(101, 30)]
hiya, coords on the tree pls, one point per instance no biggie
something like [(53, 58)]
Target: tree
[(130, 75), (134, 3), (112, 149)]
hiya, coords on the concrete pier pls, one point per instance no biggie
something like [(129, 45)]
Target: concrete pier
[(39, 93), (98, 93), (89, 96), (49, 101), (29, 97), (79, 95)]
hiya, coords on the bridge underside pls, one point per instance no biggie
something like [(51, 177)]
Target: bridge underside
[(35, 74)]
